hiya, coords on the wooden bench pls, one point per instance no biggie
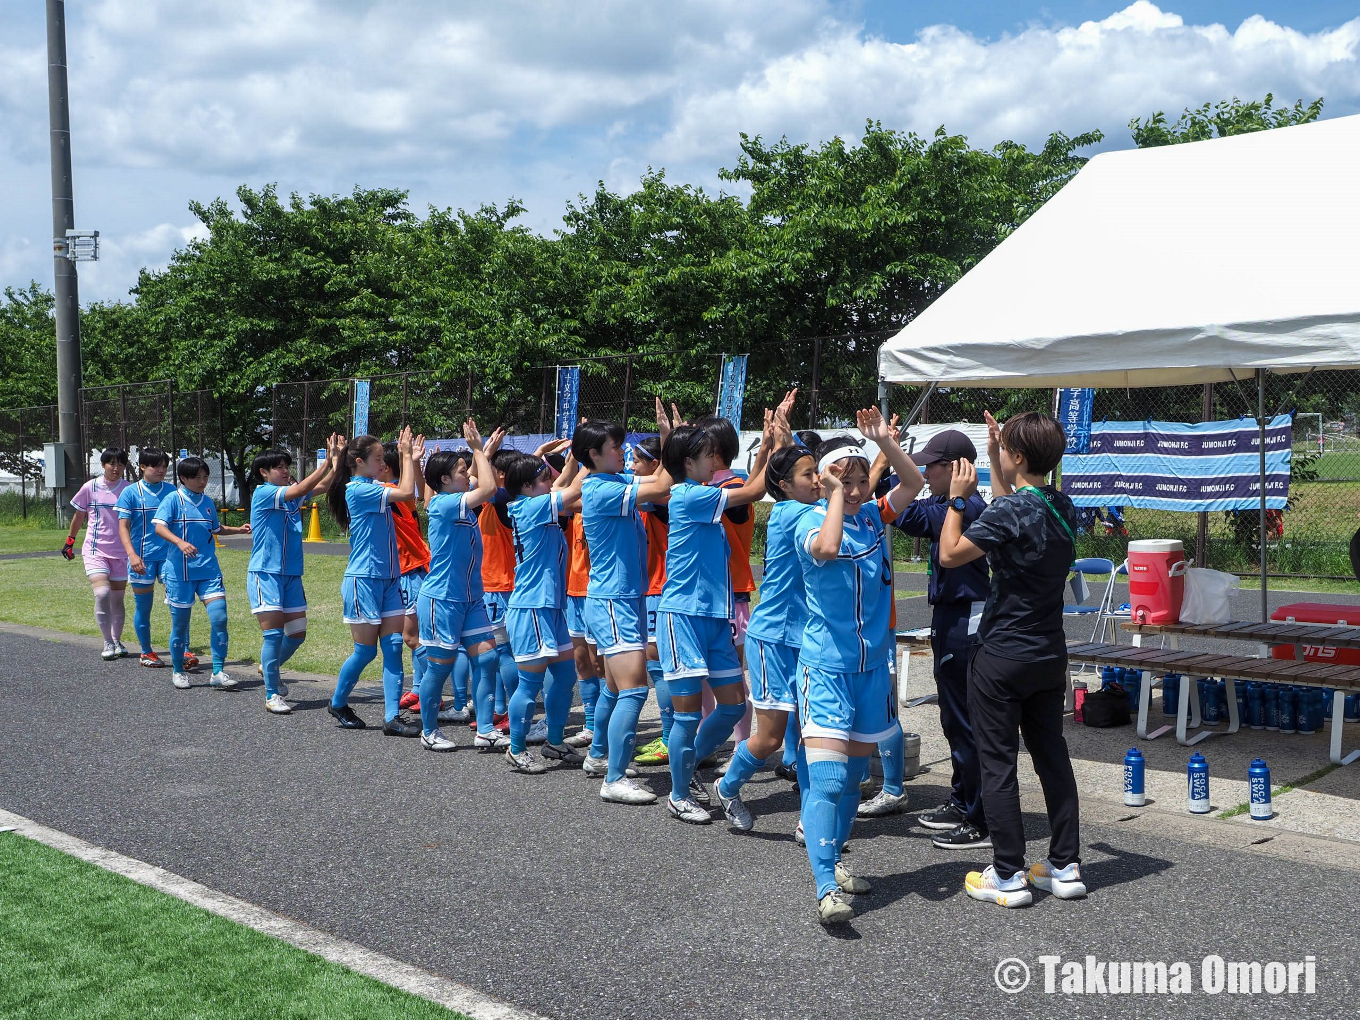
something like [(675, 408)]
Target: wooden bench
[(1230, 668), (1301, 635)]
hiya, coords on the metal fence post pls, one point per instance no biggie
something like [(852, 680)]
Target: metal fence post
[(627, 389), (543, 399), (23, 474), (816, 381), (122, 417), (404, 376), (306, 395), (170, 424), (222, 453)]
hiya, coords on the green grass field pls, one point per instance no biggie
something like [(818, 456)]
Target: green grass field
[(82, 943)]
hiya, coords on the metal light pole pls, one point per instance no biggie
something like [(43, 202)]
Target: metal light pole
[(67, 292)]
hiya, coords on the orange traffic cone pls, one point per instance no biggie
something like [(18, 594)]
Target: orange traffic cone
[(314, 528)]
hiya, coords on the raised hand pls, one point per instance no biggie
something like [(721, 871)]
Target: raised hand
[(964, 480), (663, 421), (418, 448), (993, 434), (404, 440), (830, 481), (786, 405), (494, 443), (871, 423)]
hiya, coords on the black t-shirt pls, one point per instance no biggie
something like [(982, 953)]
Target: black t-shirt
[(1030, 555)]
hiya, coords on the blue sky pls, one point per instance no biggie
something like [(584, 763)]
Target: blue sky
[(469, 103)]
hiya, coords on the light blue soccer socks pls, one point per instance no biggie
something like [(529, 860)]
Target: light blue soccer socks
[(557, 692), (291, 643), (527, 690), (829, 774), (891, 751), (590, 694), (680, 749), (740, 769), (431, 689), (716, 728), (271, 644), (141, 619), (420, 662), (604, 708), (392, 664), (350, 671), (217, 635), (507, 676), (623, 723), (856, 770), (663, 696), (484, 684), (792, 735), (179, 635), (462, 672)]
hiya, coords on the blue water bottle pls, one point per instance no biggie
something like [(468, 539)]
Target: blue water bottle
[(1258, 777), (1208, 702), (1106, 676), (1256, 707), (1289, 710), (1134, 794), (1197, 774), (1133, 685), (1240, 691), (1352, 709), (1171, 693), (1308, 710), (1270, 698)]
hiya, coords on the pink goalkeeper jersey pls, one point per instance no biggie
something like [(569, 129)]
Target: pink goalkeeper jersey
[(100, 501)]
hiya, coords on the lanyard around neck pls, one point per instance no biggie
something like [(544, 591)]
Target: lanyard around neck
[(1057, 516)]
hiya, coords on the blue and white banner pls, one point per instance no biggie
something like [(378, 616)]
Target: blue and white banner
[(1074, 413), (361, 407), (1166, 465), (732, 388), (568, 400)]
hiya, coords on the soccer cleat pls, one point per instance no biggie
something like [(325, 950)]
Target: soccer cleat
[(832, 909), (600, 767), (688, 811), (492, 741), (984, 885), (561, 752), (525, 762), (190, 660), (453, 715), (786, 772), (221, 680), (122, 650), (699, 792), (626, 791), (947, 816), (1064, 883), (152, 661), (538, 733), (963, 837), (866, 785), (283, 688), (738, 814), (798, 836), (410, 700), (884, 804), (346, 717), (277, 705), (110, 651), (436, 741), (180, 680), (501, 721), (398, 727), (654, 753), (720, 769), (850, 883), (582, 739)]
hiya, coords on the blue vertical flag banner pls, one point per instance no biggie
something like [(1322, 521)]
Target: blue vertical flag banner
[(568, 400), (361, 407), (1168, 465), (1074, 412), (732, 388)]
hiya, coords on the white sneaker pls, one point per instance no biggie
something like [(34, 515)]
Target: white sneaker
[(452, 715), (538, 732), (122, 652), (625, 791), (561, 752), (493, 741), (884, 803), (277, 705), (525, 762), (436, 741), (110, 651), (850, 883), (220, 679), (582, 739), (689, 810), (832, 909), (600, 767), (798, 836), (180, 680), (283, 689), (1064, 883), (738, 814), (986, 886)]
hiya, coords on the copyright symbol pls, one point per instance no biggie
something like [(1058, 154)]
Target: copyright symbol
[(1011, 975)]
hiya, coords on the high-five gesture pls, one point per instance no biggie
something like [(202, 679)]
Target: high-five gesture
[(871, 423)]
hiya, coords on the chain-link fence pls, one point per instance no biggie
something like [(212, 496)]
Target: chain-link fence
[(624, 388), (23, 432)]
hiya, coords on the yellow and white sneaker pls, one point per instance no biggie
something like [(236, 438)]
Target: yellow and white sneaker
[(1064, 883), (986, 886)]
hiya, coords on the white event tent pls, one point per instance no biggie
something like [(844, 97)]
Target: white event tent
[(1202, 262)]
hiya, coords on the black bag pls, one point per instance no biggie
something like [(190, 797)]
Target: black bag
[(1106, 707)]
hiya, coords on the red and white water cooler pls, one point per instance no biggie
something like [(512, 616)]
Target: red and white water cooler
[(1156, 580)]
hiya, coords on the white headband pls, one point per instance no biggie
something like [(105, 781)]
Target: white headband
[(841, 453)]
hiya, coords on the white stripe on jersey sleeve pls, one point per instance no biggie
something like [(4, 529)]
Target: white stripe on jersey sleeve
[(721, 507), (555, 505)]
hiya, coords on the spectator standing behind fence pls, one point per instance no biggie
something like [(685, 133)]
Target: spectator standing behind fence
[(1017, 676)]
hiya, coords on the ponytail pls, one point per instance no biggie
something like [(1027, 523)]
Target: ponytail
[(358, 449)]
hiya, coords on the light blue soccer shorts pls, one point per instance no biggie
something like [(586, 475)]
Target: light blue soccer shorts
[(847, 706), (410, 583), (653, 607), (617, 625), (537, 635), (694, 647), (180, 593), (448, 624), (494, 602), (576, 618), (774, 675), (154, 572), (275, 593), (371, 599)]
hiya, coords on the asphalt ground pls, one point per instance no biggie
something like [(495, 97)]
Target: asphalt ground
[(533, 890)]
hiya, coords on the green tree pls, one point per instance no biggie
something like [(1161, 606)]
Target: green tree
[(1218, 120)]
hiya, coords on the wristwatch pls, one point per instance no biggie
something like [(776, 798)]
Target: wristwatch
[(958, 503)]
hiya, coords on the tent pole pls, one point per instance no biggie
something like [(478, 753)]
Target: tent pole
[(916, 409), (1261, 422)]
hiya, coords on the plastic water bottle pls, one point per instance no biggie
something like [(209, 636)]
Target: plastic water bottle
[(1256, 707), (1208, 703), (1352, 710), (1258, 778), (1289, 710), (1171, 693), (1134, 773), (1270, 698), (1240, 690), (1133, 684), (1197, 776), (1309, 711), (1107, 676), (1079, 701), (1221, 696)]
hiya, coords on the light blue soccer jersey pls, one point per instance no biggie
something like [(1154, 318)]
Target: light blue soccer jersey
[(137, 505), (616, 536), (849, 599), (540, 552), (275, 532), (455, 549), (372, 535), (781, 614), (698, 577), (191, 518)]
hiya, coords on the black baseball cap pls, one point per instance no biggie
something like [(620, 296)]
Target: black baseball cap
[(951, 444)]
